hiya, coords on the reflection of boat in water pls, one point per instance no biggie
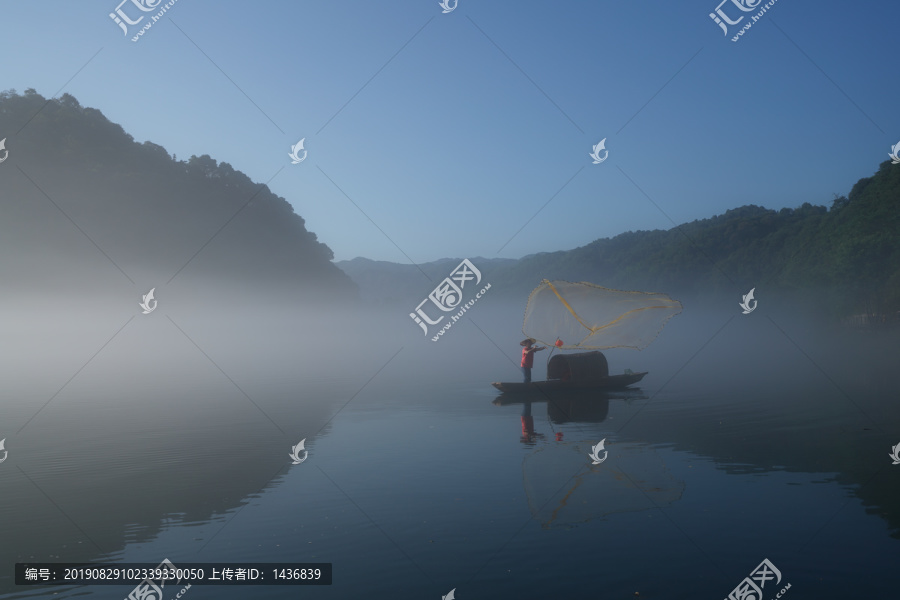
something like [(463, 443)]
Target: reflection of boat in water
[(568, 410), (562, 485), (577, 406), (573, 372)]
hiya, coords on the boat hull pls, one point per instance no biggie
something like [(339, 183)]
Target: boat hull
[(612, 382)]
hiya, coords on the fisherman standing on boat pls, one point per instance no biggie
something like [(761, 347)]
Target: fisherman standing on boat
[(528, 350)]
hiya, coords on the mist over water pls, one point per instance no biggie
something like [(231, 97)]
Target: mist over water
[(467, 153), (134, 438)]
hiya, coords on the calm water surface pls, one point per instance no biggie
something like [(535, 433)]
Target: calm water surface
[(748, 440)]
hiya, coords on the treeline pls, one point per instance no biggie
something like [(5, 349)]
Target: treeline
[(148, 211), (848, 254)]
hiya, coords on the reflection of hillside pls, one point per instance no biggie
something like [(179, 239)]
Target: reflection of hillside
[(151, 433), (805, 426), (848, 458)]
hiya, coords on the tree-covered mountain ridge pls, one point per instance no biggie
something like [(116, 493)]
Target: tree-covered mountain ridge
[(81, 199), (847, 255)]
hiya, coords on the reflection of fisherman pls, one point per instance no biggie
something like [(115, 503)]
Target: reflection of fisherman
[(528, 351), (528, 434)]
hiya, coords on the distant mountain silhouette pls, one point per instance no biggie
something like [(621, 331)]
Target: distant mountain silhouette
[(83, 203), (383, 283), (846, 257)]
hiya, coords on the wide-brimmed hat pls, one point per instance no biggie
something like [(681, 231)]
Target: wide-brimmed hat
[(527, 341)]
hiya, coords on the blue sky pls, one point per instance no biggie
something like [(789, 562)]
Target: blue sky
[(452, 131)]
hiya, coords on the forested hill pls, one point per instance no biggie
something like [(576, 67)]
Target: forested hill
[(846, 255), (83, 203), (850, 251)]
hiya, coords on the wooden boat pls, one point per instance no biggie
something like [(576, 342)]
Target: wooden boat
[(610, 382), (581, 371), (567, 397)]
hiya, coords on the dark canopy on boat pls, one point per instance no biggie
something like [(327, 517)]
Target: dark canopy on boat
[(583, 366)]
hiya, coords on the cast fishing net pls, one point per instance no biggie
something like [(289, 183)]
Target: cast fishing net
[(588, 316)]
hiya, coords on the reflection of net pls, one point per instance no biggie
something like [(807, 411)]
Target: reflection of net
[(585, 316), (557, 499)]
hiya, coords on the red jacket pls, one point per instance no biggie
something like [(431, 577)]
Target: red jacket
[(527, 358)]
